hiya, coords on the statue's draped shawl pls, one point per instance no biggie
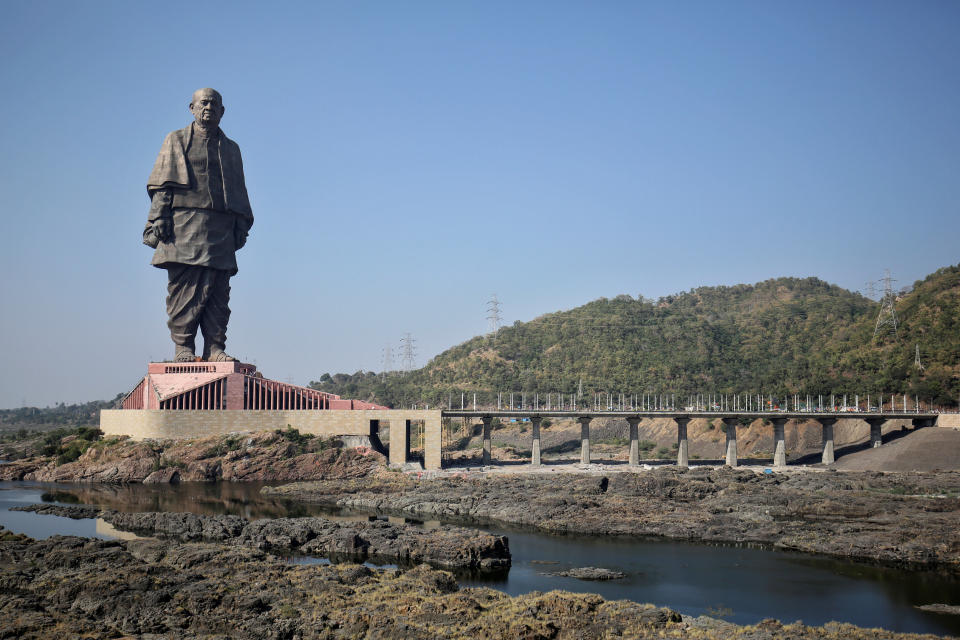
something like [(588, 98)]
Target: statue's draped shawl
[(170, 170)]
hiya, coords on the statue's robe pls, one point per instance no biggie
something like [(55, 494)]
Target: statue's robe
[(199, 183)]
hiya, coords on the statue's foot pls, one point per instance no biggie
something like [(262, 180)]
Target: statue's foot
[(184, 354), (219, 355)]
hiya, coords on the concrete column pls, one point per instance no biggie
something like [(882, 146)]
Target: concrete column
[(779, 444), (634, 442), (432, 441), (399, 441), (535, 446), (683, 458), (731, 441), (876, 431), (827, 424), (486, 420), (584, 440)]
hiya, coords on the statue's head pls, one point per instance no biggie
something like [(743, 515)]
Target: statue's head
[(207, 107)]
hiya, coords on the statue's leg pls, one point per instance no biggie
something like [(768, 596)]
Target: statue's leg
[(185, 297), (216, 314)]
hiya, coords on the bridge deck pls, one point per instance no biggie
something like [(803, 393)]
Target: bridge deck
[(788, 415)]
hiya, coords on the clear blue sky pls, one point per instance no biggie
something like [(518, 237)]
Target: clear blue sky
[(405, 160)]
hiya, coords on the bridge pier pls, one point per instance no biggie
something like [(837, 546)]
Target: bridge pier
[(731, 441), (486, 420), (779, 444), (634, 442), (584, 439), (399, 441), (827, 424), (876, 431), (682, 445), (535, 445)]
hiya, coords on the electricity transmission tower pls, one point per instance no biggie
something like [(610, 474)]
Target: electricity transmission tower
[(408, 347), (494, 318), (916, 360), (887, 318), (387, 355)]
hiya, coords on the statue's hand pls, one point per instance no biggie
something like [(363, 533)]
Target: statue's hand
[(239, 237), (164, 228)]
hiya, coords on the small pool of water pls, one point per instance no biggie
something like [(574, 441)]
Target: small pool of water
[(739, 584)]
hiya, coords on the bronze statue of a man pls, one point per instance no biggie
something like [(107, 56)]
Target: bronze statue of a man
[(199, 216)]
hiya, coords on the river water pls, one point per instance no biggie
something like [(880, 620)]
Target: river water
[(738, 584)]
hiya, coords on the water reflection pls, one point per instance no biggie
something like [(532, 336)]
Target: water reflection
[(741, 584), (219, 498)]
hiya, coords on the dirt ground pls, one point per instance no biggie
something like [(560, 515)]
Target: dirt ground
[(921, 450)]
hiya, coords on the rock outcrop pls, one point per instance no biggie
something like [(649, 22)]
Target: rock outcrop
[(445, 546), (262, 457), (591, 573)]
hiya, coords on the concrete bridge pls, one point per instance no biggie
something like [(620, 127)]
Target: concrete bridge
[(827, 420)]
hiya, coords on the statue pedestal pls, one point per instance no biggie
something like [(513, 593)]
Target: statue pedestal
[(198, 399), (215, 386)]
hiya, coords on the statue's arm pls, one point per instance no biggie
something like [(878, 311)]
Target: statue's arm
[(241, 228), (159, 221)]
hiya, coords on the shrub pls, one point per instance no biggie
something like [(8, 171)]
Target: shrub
[(90, 434), (72, 451)]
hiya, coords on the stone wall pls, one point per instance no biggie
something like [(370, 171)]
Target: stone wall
[(949, 420), (160, 425)]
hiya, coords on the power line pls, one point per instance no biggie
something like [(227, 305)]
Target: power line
[(494, 319)]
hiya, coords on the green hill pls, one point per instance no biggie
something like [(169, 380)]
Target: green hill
[(60, 416), (781, 336)]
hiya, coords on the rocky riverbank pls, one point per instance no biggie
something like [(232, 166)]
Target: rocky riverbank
[(445, 546), (267, 456), (67, 587), (893, 518)]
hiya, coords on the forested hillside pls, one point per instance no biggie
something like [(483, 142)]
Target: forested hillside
[(781, 336), (62, 415)]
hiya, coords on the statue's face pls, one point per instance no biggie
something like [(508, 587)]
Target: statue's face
[(207, 107)]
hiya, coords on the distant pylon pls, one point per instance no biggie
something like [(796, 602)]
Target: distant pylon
[(494, 319), (916, 360), (387, 360), (408, 348), (887, 318)]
